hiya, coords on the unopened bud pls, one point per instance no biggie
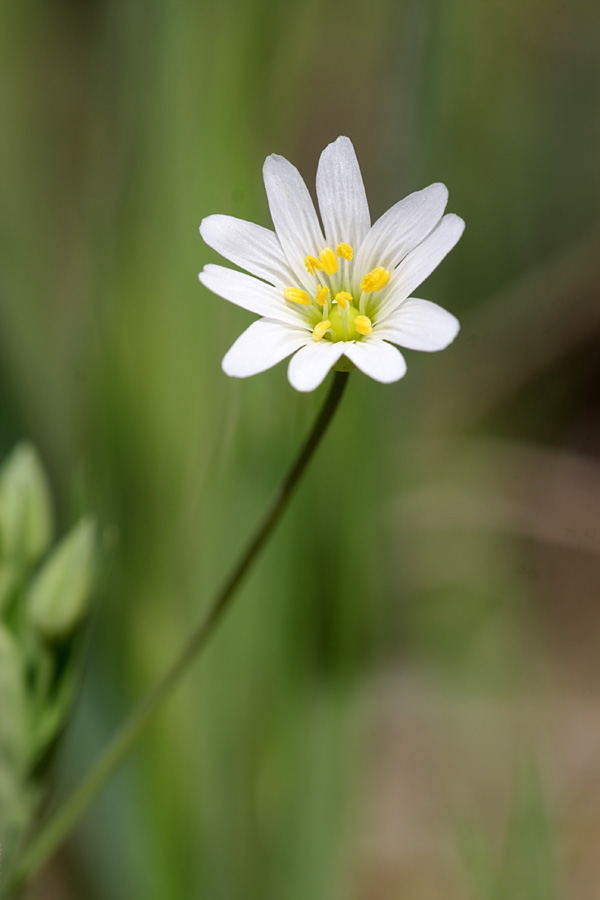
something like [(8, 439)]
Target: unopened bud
[(58, 597), (25, 507)]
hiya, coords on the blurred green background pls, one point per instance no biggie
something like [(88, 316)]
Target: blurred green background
[(404, 702)]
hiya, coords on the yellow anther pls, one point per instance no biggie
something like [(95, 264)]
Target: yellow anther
[(375, 280), (363, 325), (295, 295), (312, 263), (322, 295), (345, 251), (329, 261), (320, 329), (343, 299)]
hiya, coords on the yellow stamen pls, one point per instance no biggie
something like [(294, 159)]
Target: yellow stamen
[(322, 295), (320, 329), (343, 298), (330, 263), (345, 251), (295, 295), (375, 280), (363, 325), (312, 263)]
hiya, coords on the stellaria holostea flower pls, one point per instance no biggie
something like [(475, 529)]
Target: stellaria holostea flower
[(337, 293)]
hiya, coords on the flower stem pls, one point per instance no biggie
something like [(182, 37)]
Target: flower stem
[(62, 823)]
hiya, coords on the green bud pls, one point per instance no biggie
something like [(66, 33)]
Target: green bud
[(58, 596), (25, 507)]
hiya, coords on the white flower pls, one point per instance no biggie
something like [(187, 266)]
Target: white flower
[(337, 293)]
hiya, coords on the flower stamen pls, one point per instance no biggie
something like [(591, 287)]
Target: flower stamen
[(343, 299), (295, 295), (375, 280), (322, 294), (345, 251), (363, 325), (320, 329), (312, 263), (329, 261)]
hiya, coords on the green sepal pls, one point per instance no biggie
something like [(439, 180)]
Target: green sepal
[(344, 365)]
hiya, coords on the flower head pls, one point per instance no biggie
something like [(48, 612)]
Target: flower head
[(337, 295)]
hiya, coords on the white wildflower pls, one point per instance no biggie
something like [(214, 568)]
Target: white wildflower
[(337, 293)]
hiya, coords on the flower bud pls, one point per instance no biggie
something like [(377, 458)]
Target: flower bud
[(58, 597), (25, 507)]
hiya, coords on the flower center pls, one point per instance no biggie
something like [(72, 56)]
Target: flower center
[(332, 310)]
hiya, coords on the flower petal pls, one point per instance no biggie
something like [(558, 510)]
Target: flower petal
[(249, 246), (401, 229), (341, 193), (250, 294), (308, 368), (419, 264), (377, 359), (420, 325), (261, 346), (293, 214)]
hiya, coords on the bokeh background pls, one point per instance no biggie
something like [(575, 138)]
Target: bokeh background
[(404, 702)]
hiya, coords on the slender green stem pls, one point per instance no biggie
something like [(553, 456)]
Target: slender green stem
[(62, 823)]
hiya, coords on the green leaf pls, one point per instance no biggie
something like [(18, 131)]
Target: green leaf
[(26, 521), (58, 597)]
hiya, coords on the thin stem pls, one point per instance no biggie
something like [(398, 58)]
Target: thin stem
[(61, 824)]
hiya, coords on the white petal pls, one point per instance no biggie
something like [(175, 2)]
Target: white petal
[(250, 294), (249, 246), (293, 214), (419, 325), (419, 264), (377, 359), (308, 368), (261, 346), (401, 229), (341, 193)]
